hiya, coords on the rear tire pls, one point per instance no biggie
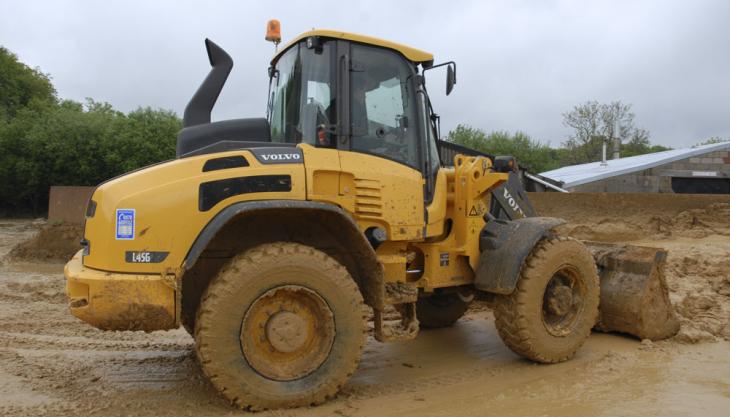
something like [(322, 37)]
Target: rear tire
[(280, 326), (551, 312), (440, 310)]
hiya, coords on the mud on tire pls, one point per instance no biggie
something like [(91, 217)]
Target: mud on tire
[(288, 287), (551, 312)]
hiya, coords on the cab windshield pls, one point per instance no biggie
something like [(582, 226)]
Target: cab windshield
[(382, 119), (302, 96)]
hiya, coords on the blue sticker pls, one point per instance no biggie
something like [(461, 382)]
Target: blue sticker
[(125, 224)]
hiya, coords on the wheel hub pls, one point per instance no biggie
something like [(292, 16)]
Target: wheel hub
[(562, 302), (287, 333), (559, 300)]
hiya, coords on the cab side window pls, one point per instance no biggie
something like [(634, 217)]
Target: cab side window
[(383, 105)]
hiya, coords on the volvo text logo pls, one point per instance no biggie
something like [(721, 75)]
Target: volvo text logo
[(281, 157), (278, 156), (512, 203)]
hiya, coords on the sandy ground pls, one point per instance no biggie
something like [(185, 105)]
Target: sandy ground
[(53, 364)]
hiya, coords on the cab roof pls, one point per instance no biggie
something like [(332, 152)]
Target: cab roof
[(413, 54)]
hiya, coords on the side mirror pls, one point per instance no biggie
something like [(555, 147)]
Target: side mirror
[(450, 75), (450, 78)]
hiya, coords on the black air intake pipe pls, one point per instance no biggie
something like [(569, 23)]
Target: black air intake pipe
[(199, 136), (198, 109)]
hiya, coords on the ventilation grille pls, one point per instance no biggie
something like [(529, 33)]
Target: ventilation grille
[(367, 198)]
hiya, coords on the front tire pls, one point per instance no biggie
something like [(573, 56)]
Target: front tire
[(550, 314), (280, 326)]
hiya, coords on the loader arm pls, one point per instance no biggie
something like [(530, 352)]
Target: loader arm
[(474, 180)]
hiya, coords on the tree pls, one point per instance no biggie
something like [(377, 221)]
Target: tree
[(75, 144), (712, 140), (45, 142), (639, 144), (468, 136), (530, 153), (594, 122), (21, 86)]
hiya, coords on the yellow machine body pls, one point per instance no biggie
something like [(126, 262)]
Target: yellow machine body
[(103, 284), (145, 230), (412, 54)]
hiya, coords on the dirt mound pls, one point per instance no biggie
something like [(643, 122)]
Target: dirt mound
[(605, 230), (700, 289), (52, 243), (697, 223), (713, 219), (14, 231)]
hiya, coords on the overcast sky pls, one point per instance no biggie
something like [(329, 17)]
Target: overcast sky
[(521, 64)]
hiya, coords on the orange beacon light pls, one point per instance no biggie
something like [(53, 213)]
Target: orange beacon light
[(273, 31)]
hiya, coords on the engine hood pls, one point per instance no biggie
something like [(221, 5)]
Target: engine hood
[(147, 220)]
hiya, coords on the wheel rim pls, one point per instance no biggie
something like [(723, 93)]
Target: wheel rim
[(287, 333), (562, 303)]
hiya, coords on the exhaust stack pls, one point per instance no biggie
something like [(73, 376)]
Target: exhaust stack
[(198, 110)]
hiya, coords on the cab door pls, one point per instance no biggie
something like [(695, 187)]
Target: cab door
[(381, 158)]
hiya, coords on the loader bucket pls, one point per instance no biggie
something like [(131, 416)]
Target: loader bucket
[(634, 294)]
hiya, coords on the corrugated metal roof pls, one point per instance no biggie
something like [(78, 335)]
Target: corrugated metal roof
[(574, 175)]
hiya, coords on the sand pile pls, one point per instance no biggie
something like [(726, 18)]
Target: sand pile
[(14, 231), (697, 223), (627, 217), (699, 284), (52, 243), (714, 219)]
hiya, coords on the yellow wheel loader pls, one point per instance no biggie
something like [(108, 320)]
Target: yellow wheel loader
[(271, 240)]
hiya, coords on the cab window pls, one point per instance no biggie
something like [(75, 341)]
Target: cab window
[(302, 104), (382, 105)]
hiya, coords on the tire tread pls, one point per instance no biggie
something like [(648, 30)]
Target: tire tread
[(224, 285), (511, 320)]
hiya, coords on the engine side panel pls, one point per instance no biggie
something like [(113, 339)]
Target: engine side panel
[(163, 208)]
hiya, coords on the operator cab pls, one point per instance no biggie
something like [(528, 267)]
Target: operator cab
[(330, 90), (355, 93)]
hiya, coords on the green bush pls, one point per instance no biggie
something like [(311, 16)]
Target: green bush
[(69, 144), (45, 142), (530, 153), (21, 86)]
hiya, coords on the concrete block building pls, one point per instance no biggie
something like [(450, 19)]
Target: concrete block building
[(701, 170)]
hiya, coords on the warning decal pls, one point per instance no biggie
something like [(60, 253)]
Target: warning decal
[(477, 210)]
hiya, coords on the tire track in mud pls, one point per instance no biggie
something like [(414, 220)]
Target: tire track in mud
[(50, 341), (53, 364), (496, 364)]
